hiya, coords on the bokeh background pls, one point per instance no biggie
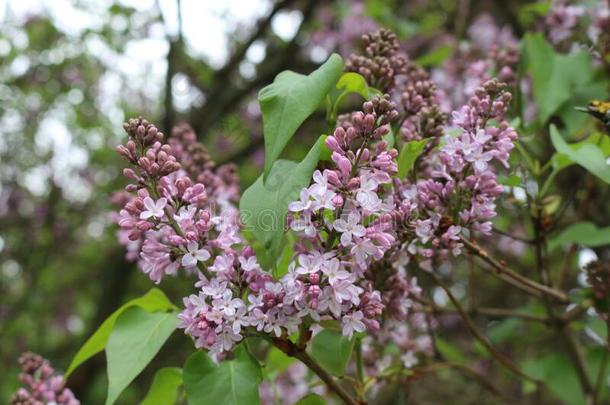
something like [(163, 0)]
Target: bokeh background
[(72, 71)]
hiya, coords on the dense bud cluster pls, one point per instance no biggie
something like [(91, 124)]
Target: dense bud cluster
[(42, 384), (382, 61)]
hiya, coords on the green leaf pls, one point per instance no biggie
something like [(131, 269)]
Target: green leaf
[(232, 382), (153, 300), (277, 361), (511, 181), (585, 154), (557, 372), (311, 399), (164, 388), (135, 340), (264, 206), (352, 82), (332, 350), (408, 155), (285, 258), (582, 233), (554, 75), (289, 100), (450, 351)]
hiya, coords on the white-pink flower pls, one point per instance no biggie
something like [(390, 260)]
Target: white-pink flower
[(350, 228), (352, 323), (153, 209), (194, 254)]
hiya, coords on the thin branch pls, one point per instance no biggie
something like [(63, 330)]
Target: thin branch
[(505, 361), (490, 312), (292, 350), (509, 235), (516, 279), (479, 377)]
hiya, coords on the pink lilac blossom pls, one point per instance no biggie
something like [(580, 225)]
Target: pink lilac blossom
[(562, 20), (338, 32), (43, 385), (461, 189), (489, 51)]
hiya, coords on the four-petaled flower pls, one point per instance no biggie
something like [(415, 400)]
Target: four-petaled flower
[(194, 254), (153, 209)]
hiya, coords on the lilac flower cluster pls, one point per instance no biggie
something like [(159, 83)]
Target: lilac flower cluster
[(562, 20), (420, 101), (490, 51), (43, 385), (461, 189), (340, 34), (382, 61), (566, 25), (325, 279), (170, 218)]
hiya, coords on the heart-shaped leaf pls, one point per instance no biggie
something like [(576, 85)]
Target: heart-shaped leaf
[(264, 206), (289, 100)]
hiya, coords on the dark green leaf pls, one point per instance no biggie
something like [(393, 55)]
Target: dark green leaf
[(263, 206), (585, 154), (153, 300), (554, 75), (289, 100), (557, 372), (278, 361), (135, 340), (582, 233), (164, 388), (408, 155), (332, 350), (232, 382)]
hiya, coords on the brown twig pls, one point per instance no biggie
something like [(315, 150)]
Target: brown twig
[(292, 350), (503, 360), (516, 279), (479, 377)]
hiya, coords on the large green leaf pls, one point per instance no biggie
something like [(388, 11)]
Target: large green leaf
[(164, 388), (557, 373), (582, 233), (232, 382), (332, 350), (264, 206), (289, 100), (408, 155), (153, 300), (584, 153), (135, 340), (554, 75)]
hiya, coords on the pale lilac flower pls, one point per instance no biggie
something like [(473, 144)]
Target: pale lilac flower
[(153, 209), (352, 323), (350, 228), (194, 254)]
